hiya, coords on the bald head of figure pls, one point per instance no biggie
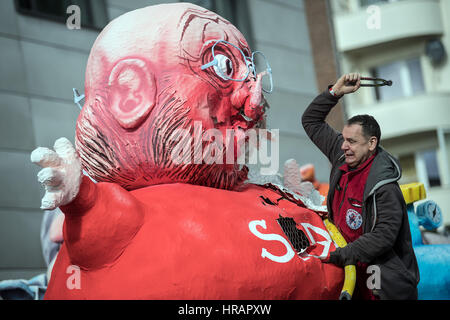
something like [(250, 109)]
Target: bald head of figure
[(144, 80)]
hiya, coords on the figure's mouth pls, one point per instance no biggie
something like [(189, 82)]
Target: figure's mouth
[(239, 123), (248, 116), (237, 135), (248, 119)]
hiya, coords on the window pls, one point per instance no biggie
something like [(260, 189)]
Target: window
[(420, 167), (427, 168), (406, 76), (93, 13), (409, 174), (431, 165)]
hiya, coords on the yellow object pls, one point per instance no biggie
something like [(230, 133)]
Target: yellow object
[(413, 192), (350, 271)]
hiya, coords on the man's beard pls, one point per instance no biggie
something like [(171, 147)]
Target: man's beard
[(108, 155)]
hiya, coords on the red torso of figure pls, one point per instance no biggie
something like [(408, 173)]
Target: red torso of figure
[(179, 244)]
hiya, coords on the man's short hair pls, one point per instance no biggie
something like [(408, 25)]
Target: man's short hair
[(369, 126)]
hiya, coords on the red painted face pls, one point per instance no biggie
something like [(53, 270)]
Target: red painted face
[(226, 98), (144, 82)]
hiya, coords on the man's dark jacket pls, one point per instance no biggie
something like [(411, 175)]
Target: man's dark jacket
[(386, 239)]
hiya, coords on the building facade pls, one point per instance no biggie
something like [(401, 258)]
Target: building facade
[(405, 41)]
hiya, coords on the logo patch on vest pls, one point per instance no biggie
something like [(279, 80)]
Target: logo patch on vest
[(353, 219)]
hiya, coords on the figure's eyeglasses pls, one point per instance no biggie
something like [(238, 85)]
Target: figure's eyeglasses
[(223, 65)]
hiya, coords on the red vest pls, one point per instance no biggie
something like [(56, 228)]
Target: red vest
[(347, 213), (348, 200)]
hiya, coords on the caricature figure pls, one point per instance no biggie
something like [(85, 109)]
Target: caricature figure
[(154, 228)]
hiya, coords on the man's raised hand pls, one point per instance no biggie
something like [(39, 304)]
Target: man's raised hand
[(348, 83)]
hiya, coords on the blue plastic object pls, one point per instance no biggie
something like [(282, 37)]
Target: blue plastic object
[(433, 259), (429, 214), (416, 235), (434, 268)]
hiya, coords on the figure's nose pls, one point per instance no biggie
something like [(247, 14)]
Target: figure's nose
[(249, 97), (253, 108), (251, 77)]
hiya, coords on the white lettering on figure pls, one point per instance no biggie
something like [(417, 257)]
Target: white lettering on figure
[(319, 231), (271, 237)]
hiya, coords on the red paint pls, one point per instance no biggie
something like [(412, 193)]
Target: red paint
[(187, 247)]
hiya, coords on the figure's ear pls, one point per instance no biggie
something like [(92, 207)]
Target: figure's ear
[(132, 92)]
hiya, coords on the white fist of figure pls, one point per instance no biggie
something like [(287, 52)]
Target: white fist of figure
[(61, 174)]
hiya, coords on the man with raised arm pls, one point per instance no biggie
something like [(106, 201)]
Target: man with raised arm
[(364, 200)]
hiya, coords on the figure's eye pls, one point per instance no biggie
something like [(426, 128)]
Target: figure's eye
[(224, 67)]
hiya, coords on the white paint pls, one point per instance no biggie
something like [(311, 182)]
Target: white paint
[(61, 174), (271, 237), (326, 244)]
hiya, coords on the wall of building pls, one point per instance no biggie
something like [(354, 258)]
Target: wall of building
[(42, 60)]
